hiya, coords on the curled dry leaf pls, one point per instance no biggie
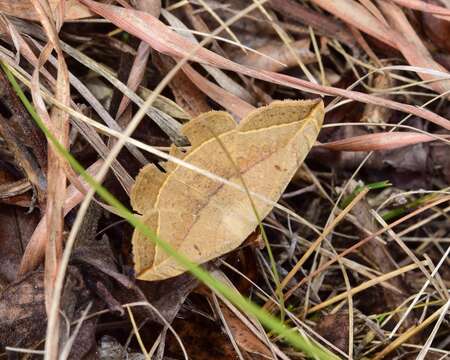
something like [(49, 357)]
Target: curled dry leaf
[(380, 141), (202, 218)]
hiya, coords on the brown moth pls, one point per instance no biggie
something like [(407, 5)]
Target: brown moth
[(204, 218)]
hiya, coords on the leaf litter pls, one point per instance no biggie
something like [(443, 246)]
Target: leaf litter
[(373, 274)]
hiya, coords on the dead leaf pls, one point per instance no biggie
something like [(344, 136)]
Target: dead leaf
[(23, 312), (202, 338), (24, 321), (244, 337), (380, 141), (17, 227), (334, 328), (203, 219)]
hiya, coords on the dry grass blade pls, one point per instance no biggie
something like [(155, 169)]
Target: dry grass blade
[(329, 259), (363, 286), (322, 236), (378, 141), (364, 241), (161, 154), (34, 252), (398, 33), (284, 37), (89, 133), (226, 82), (220, 21), (352, 12), (423, 6), (442, 292), (162, 39), (169, 125), (137, 334), (229, 101), (411, 332), (411, 46), (140, 61), (136, 75), (374, 11), (56, 174), (419, 294), (426, 348), (14, 188), (319, 22), (25, 9), (285, 57), (251, 324)]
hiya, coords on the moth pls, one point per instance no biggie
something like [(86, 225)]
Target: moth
[(204, 218)]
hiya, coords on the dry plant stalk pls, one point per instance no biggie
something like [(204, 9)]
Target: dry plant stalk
[(202, 218)]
